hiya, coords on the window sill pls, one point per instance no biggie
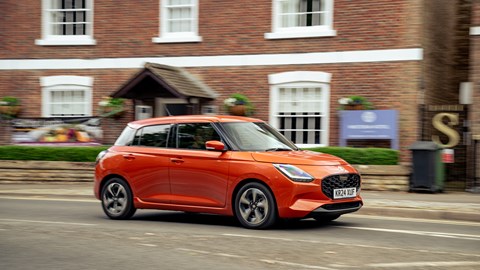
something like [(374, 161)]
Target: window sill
[(177, 39), (65, 41), (301, 34)]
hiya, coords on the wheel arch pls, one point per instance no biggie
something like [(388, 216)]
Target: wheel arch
[(247, 181), (110, 176)]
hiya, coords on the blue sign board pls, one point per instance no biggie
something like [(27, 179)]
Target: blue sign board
[(369, 125)]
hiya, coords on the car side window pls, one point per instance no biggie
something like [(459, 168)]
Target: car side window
[(154, 136), (194, 136)]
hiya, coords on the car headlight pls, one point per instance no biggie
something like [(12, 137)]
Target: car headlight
[(294, 173), (100, 156)]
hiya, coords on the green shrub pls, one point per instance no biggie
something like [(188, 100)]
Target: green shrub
[(49, 153), (366, 156), (363, 156)]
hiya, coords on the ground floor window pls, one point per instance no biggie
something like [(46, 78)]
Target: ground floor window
[(66, 96), (299, 106)]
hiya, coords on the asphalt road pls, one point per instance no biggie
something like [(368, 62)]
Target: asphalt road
[(75, 234)]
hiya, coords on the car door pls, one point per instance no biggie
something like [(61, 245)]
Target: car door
[(198, 177), (147, 164)]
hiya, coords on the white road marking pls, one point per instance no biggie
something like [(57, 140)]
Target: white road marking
[(424, 264), (424, 233), (422, 220), (193, 250), (228, 255), (210, 253), (147, 245), (341, 244), (297, 265), (46, 222), (48, 199)]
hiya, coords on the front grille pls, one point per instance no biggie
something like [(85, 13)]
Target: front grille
[(332, 182)]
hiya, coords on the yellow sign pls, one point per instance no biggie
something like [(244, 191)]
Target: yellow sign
[(447, 129)]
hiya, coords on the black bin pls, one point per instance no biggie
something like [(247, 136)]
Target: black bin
[(428, 172)]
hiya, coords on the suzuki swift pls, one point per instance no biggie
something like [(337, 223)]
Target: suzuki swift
[(223, 165)]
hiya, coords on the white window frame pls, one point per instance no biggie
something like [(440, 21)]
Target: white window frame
[(177, 37), (62, 83), (49, 39), (303, 79), (279, 32)]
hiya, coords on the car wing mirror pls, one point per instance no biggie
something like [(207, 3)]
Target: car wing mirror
[(215, 146)]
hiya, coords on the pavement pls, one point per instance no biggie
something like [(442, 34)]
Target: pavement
[(455, 206)]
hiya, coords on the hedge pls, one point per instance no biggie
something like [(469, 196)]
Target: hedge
[(362, 156), (366, 156), (48, 153)]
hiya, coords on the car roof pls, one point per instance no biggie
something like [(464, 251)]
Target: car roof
[(191, 118)]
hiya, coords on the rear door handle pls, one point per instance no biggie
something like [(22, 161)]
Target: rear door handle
[(177, 160), (129, 157)]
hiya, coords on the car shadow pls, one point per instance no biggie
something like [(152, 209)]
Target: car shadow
[(187, 218), (229, 221)]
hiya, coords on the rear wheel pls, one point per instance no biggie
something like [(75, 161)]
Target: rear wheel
[(255, 206), (117, 199)]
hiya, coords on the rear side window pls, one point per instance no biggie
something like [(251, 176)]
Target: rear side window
[(154, 136), (194, 136)]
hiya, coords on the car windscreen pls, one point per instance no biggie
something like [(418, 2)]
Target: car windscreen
[(250, 136)]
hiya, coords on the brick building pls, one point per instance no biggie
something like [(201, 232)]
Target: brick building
[(474, 116), (290, 58)]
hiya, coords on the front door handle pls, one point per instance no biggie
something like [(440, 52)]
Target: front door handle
[(129, 157), (177, 160)]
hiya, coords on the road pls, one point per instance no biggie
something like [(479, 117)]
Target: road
[(62, 233)]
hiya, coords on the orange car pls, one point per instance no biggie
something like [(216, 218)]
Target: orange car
[(222, 165)]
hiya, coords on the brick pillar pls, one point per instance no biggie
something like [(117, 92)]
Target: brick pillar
[(112, 127), (5, 132)]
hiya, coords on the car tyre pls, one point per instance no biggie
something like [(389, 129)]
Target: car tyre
[(117, 199), (255, 206)]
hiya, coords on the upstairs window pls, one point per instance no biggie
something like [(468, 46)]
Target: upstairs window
[(302, 18), (66, 96), (299, 106), (67, 22), (178, 21)]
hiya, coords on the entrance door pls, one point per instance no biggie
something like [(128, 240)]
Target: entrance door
[(176, 109)]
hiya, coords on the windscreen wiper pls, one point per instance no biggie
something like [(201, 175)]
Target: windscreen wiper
[(278, 149)]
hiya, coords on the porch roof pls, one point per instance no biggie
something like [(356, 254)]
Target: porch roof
[(157, 80)]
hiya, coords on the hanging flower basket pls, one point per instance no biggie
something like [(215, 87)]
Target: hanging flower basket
[(111, 107), (239, 110), (9, 107), (239, 105), (355, 103)]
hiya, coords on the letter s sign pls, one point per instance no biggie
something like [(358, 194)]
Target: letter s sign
[(453, 136)]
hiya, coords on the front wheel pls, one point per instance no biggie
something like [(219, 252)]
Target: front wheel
[(117, 199), (255, 206)]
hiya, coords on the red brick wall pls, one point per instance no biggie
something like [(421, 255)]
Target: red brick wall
[(475, 78), (126, 28), (475, 70)]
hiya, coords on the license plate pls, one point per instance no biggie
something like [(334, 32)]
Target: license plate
[(344, 193)]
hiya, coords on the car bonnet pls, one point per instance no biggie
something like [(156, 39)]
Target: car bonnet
[(298, 158)]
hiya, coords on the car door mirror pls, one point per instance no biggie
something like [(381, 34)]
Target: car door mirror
[(215, 146)]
